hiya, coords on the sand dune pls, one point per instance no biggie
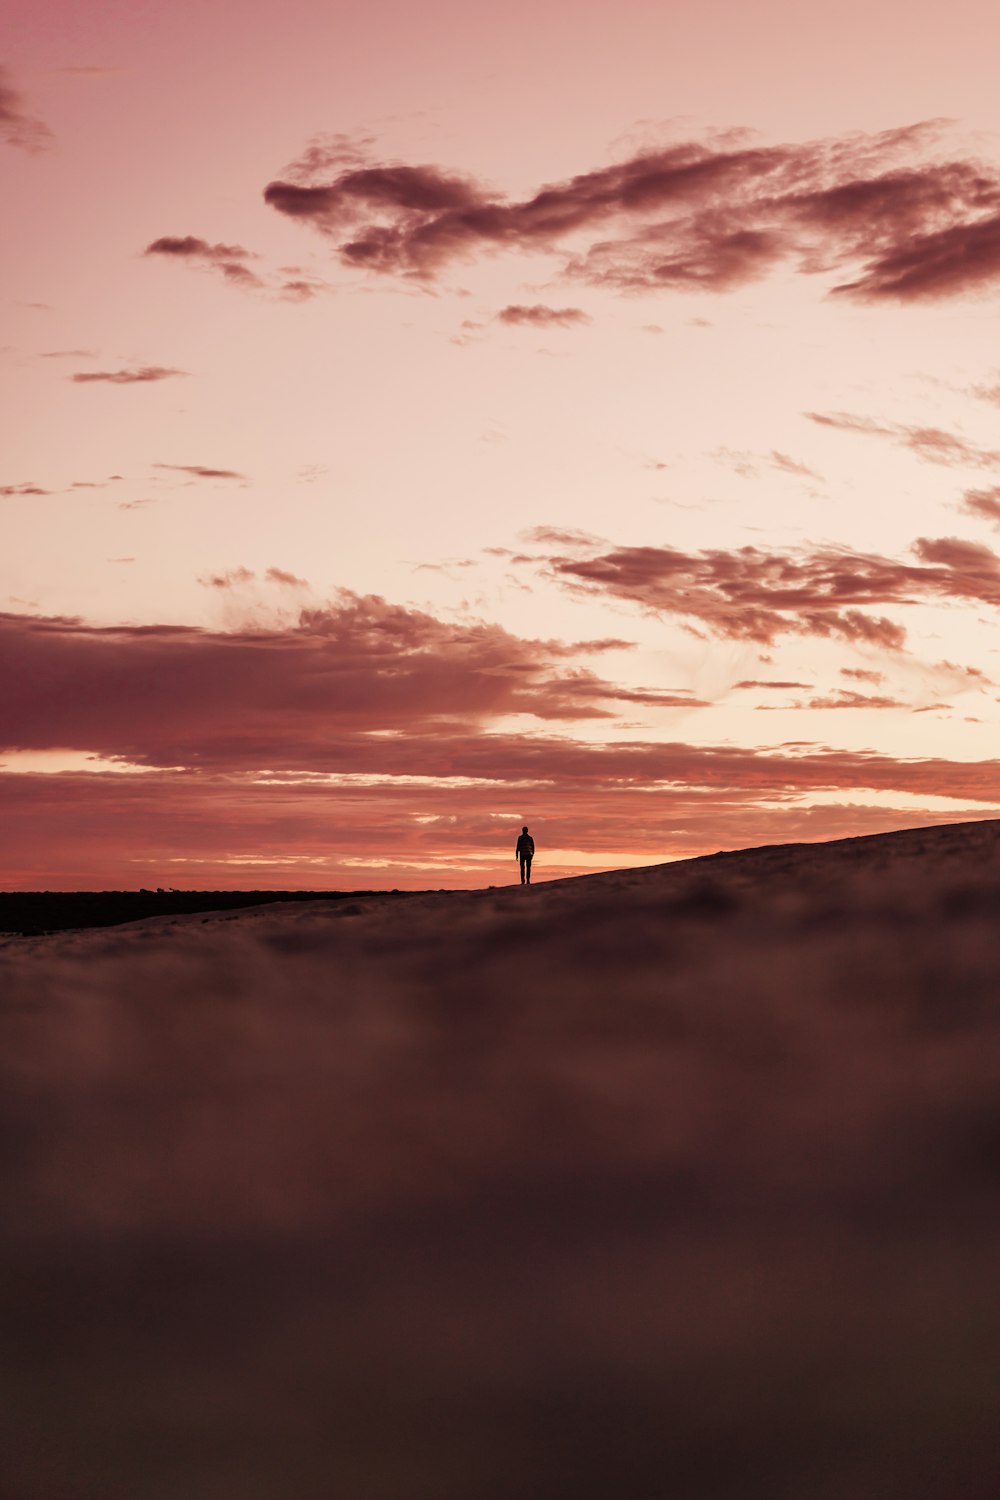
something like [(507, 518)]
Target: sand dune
[(671, 1182)]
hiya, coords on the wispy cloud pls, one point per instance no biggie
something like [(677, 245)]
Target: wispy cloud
[(203, 471), (233, 578), (140, 375), (18, 127), (286, 580), (862, 674), (751, 682), (29, 488), (933, 444)]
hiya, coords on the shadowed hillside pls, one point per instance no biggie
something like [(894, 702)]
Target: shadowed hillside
[(677, 1181)]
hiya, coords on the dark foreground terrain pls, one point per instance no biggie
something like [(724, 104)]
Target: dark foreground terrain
[(678, 1182), (34, 913)]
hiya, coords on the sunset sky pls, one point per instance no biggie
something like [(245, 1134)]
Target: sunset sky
[(422, 420)]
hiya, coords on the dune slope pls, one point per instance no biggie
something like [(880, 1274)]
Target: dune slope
[(679, 1181)]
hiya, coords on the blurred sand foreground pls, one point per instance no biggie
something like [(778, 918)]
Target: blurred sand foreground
[(678, 1182)]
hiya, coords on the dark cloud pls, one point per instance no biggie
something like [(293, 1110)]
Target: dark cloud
[(163, 695), (540, 316), (711, 215), (228, 260), (754, 594), (962, 257), (18, 127), (201, 471), (289, 283), (189, 246), (862, 674), (931, 443), (138, 376)]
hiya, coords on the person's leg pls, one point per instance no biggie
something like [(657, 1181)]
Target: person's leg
[(522, 869), (528, 863)]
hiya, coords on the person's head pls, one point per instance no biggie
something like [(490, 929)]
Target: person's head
[(525, 828)]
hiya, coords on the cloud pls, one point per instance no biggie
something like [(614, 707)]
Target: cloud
[(138, 376), (17, 126), (165, 695), (375, 731), (288, 283), (963, 257), (229, 580), (539, 316), (235, 578), (983, 504), (201, 471), (843, 698), (885, 210), (789, 465), (753, 683), (23, 489), (862, 674), (930, 443), (287, 580), (226, 259), (755, 594), (441, 810)]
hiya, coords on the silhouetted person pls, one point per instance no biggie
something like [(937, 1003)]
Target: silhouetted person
[(524, 851)]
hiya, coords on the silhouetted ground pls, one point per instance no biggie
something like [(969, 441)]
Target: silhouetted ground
[(33, 913), (677, 1182)]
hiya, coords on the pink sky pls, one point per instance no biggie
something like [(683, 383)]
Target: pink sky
[(423, 420)]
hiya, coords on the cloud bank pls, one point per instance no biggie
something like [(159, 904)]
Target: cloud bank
[(755, 594), (882, 215)]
